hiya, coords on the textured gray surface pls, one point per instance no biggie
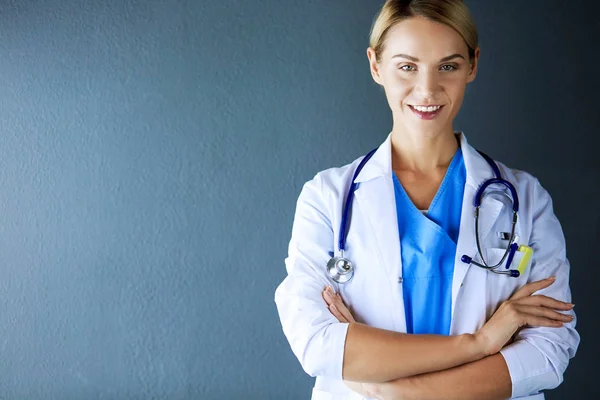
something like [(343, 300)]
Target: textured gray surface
[(151, 154)]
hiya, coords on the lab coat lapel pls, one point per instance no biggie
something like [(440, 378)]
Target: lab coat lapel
[(478, 171), (375, 194), (376, 198)]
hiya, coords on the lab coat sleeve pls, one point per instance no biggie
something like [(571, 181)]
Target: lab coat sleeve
[(316, 337), (538, 357)]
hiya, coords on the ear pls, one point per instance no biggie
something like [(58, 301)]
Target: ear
[(374, 65), (474, 65)]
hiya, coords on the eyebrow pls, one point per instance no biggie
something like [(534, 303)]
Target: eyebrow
[(411, 58)]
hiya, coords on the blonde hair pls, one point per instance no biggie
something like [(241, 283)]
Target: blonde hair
[(453, 13)]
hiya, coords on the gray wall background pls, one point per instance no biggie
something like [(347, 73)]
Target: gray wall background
[(151, 154)]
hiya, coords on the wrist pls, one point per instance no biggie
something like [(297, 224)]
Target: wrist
[(477, 343)]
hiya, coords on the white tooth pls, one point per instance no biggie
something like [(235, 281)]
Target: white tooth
[(427, 109)]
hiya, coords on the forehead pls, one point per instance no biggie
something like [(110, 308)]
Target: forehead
[(424, 39)]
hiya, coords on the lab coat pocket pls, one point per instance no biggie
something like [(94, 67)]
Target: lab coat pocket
[(500, 287)]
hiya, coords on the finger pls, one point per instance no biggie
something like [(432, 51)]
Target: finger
[(336, 313), (534, 322), (546, 313), (532, 287), (331, 295), (343, 309), (545, 301), (332, 298), (347, 315), (328, 297), (337, 299)]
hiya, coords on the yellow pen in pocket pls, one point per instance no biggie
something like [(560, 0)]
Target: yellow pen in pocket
[(528, 252)]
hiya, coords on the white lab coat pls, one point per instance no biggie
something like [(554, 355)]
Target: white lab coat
[(537, 358)]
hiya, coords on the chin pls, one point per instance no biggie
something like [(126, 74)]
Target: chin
[(428, 129)]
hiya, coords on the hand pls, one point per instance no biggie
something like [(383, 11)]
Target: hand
[(522, 309), (336, 305)]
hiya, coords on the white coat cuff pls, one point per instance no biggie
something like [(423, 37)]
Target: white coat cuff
[(529, 369), (334, 342)]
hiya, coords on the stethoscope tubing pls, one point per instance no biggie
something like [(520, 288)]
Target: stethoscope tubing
[(345, 273)]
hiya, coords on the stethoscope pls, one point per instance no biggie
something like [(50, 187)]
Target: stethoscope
[(341, 270)]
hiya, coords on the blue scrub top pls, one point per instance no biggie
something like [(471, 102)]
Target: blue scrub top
[(428, 250)]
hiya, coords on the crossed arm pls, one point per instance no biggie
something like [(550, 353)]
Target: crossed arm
[(431, 367), (464, 367), (487, 378)]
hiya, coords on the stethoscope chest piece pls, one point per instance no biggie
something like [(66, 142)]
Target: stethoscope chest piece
[(340, 269)]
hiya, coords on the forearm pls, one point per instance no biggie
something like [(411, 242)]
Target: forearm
[(487, 378), (377, 355)]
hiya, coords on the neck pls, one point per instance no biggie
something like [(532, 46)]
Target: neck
[(422, 153)]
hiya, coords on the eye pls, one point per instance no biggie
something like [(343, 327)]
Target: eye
[(407, 68), (448, 67)]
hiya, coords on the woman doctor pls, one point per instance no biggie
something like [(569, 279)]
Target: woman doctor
[(420, 319)]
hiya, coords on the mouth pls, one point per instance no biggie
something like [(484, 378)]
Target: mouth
[(426, 112)]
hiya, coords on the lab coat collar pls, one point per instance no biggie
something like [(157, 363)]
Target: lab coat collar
[(380, 165), (478, 169)]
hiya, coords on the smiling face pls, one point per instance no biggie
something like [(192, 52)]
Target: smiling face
[(424, 68)]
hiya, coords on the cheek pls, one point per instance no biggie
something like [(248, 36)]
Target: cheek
[(398, 87), (455, 86), (457, 94), (397, 97)]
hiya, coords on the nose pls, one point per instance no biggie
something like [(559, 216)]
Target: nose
[(427, 84)]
